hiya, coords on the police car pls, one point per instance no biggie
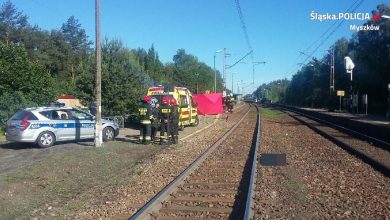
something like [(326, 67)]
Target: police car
[(47, 125)]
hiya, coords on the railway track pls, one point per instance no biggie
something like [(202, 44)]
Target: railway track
[(371, 150), (218, 184)]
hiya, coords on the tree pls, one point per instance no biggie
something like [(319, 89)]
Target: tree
[(19, 74), (11, 103), (192, 73), (12, 22), (77, 39), (370, 52), (22, 83), (122, 82)]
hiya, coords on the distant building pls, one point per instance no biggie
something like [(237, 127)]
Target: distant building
[(237, 97), (71, 101)]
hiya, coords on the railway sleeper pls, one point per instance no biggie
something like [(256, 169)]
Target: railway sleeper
[(193, 215), (196, 203), (222, 170), (178, 217), (183, 210), (212, 184), (210, 187), (200, 179), (207, 193), (208, 173), (236, 156), (202, 199), (222, 166)]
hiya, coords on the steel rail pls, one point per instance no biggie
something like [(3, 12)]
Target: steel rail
[(381, 143), (249, 212), (155, 203), (375, 164)]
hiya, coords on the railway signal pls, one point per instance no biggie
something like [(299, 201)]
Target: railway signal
[(349, 66)]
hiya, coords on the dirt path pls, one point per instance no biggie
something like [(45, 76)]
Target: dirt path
[(14, 156)]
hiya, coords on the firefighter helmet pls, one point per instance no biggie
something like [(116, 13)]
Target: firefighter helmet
[(165, 100), (172, 101), (147, 99)]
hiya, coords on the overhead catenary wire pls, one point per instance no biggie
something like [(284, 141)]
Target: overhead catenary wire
[(244, 29), (250, 52), (330, 27), (243, 26), (353, 6), (331, 33)]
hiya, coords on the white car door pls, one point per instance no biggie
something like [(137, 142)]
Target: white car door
[(84, 124)]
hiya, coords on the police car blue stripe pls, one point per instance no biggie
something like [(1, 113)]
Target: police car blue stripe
[(62, 125)]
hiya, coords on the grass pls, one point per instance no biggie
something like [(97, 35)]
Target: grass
[(68, 180), (2, 137), (270, 113)]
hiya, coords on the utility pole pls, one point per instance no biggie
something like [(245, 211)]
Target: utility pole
[(253, 70), (331, 75), (331, 78), (388, 103), (253, 73), (232, 83), (215, 76), (215, 71), (98, 125), (224, 69)]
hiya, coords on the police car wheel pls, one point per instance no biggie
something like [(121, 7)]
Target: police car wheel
[(108, 134), (46, 139)]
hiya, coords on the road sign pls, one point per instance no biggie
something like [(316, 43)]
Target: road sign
[(340, 92)]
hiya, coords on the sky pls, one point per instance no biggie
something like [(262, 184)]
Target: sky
[(278, 30)]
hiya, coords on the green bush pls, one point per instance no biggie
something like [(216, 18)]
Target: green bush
[(11, 103)]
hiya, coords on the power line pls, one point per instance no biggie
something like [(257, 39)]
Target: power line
[(330, 27), (244, 29), (331, 33), (355, 4), (243, 26), (250, 52)]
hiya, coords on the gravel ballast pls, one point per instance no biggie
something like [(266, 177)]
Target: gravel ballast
[(151, 175), (320, 180)]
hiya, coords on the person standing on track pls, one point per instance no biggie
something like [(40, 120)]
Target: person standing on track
[(144, 111)]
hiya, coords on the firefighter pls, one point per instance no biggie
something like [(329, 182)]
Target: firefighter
[(144, 111), (174, 122), (225, 104), (155, 120), (231, 103), (165, 115)]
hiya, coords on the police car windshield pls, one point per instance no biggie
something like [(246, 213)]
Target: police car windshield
[(76, 114)]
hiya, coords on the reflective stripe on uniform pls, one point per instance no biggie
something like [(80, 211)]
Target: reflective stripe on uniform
[(142, 111), (141, 138), (148, 138), (146, 122), (165, 110)]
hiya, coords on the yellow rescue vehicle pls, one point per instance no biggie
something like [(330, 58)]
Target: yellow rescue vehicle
[(187, 108)]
